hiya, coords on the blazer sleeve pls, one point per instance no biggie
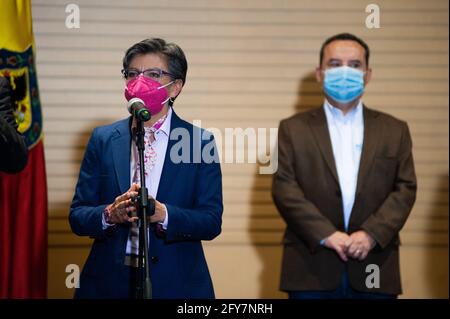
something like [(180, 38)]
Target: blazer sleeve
[(86, 212), (300, 214), (389, 219), (204, 220), (12, 143)]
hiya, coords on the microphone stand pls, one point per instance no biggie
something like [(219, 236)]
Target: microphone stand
[(145, 209)]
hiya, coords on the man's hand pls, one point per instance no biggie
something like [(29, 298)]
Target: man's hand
[(362, 244), (339, 242), (123, 205)]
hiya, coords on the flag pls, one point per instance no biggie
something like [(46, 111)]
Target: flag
[(23, 196)]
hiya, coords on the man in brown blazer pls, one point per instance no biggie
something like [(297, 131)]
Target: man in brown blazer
[(345, 186)]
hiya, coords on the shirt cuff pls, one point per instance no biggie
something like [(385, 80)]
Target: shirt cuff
[(166, 219), (105, 224)]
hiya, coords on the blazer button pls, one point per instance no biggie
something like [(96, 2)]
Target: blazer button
[(155, 259)]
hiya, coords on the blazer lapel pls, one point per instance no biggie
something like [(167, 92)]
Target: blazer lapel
[(371, 137), (121, 148), (319, 127), (170, 170)]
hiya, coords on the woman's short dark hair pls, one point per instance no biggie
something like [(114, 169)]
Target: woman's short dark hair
[(348, 37), (172, 53)]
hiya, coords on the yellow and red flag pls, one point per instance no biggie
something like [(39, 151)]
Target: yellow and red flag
[(23, 196)]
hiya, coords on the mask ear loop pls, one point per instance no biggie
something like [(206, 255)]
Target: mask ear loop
[(165, 85), (164, 102), (169, 98)]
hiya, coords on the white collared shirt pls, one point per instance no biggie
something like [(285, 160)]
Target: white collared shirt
[(347, 137), (152, 177)]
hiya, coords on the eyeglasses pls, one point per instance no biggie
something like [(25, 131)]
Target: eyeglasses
[(153, 73)]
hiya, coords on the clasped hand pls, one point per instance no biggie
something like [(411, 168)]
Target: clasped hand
[(356, 246), (124, 208)]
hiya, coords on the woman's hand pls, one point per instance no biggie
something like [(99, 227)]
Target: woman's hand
[(123, 206)]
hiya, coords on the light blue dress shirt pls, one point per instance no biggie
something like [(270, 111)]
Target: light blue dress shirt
[(347, 136)]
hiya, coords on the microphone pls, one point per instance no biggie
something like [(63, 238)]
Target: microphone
[(137, 108)]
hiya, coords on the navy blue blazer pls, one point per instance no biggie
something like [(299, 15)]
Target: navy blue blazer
[(192, 193)]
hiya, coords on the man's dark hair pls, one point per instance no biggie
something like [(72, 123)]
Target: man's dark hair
[(172, 53), (345, 37)]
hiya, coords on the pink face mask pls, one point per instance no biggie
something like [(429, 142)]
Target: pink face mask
[(150, 91)]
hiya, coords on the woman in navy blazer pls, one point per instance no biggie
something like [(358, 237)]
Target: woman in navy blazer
[(188, 199)]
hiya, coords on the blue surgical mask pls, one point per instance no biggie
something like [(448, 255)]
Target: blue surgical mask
[(343, 84)]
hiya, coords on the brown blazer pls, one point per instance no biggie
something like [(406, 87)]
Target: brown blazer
[(307, 194)]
